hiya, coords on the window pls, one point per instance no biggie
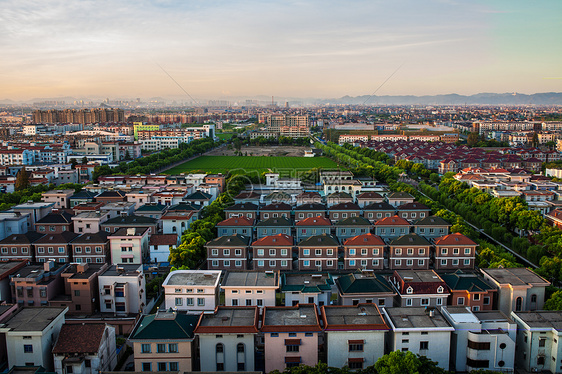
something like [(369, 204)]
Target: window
[(486, 300), (476, 296), (306, 252), (466, 262), (352, 251), (542, 342), (409, 262), (467, 251), (421, 251), (215, 252), (200, 301), (318, 252), (410, 251), (172, 348), (356, 346), (220, 366), (283, 252), (145, 348), (397, 262), (329, 252), (480, 346), (421, 262), (398, 251), (179, 301), (306, 263), (174, 366), (424, 345), (351, 262), (518, 304), (283, 263), (439, 301), (408, 302), (424, 302), (161, 366), (455, 262), (238, 252), (292, 348), (226, 252), (460, 300), (161, 348), (189, 301), (226, 263), (28, 348)]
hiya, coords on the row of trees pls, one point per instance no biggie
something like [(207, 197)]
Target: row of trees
[(34, 193), (191, 252), (282, 140), (158, 160)]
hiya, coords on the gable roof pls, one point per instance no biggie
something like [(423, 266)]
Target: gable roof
[(230, 241), (131, 220), (365, 239), (98, 237), (369, 195), (392, 221), (345, 206), (236, 221), (27, 238), (431, 221), (242, 206), (163, 239), (353, 221), (276, 222), (399, 195), (322, 240), (64, 237), (311, 206), (56, 218), (412, 206), (384, 206), (152, 208), (274, 240), (454, 239), (314, 221), (410, 239), (459, 281), (276, 206), (199, 195), (79, 338)]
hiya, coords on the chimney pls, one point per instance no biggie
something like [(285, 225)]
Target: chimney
[(49, 265), (131, 231), (82, 267)]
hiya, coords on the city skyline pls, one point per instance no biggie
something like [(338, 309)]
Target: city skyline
[(284, 49)]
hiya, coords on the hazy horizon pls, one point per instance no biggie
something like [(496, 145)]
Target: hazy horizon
[(298, 49)]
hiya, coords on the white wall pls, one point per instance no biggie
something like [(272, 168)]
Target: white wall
[(207, 348), (338, 348)]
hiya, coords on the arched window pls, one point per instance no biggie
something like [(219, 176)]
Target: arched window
[(219, 348), (240, 348), (518, 304)]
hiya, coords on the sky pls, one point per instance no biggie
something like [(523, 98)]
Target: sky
[(243, 48)]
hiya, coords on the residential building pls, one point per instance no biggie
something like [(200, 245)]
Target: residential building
[(129, 245), (35, 211), (80, 295), (308, 210), (118, 209), (30, 335), (365, 287), (291, 336), (367, 198), (351, 227), (391, 227), (35, 285), (55, 246), (55, 222), (192, 291), (364, 251), (307, 288), (482, 340), (341, 211), (160, 246), (355, 335), (177, 222), (274, 252), (275, 210), (312, 226), (236, 225), (89, 222), (228, 252), (335, 198), (248, 210), (431, 227), (113, 225), (318, 253), (519, 289), (7, 268), (412, 211), (376, 211), (419, 288), (61, 198), (250, 288), (311, 197), (454, 251), (85, 348), (538, 333), (122, 290), (273, 226), (13, 223), (111, 196), (397, 199), (422, 331), (91, 248), (165, 342), (19, 246), (151, 210), (409, 251), (470, 290)]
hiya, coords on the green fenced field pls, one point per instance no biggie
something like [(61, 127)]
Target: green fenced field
[(224, 164)]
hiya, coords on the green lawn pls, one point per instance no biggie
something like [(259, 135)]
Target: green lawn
[(225, 136), (223, 164)]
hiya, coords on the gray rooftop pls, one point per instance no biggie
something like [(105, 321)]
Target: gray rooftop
[(419, 276), (515, 276), (251, 279), (418, 318), (122, 270), (303, 315), (308, 279), (33, 319), (192, 278), (542, 320), (366, 314), (225, 317)]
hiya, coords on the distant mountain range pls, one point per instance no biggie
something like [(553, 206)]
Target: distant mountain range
[(546, 98)]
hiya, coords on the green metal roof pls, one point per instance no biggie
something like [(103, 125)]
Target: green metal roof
[(359, 284), (410, 239), (172, 326), (459, 281), (306, 282)]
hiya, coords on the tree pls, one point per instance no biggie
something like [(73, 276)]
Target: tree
[(472, 139), (22, 180), (127, 155), (73, 163), (399, 362), (555, 301), (84, 160)]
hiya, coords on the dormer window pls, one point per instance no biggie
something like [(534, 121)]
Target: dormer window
[(440, 289), (409, 290)]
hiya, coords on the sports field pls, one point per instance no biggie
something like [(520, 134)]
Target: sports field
[(224, 164)]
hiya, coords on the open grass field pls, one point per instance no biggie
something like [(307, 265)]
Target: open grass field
[(224, 164), (226, 136)]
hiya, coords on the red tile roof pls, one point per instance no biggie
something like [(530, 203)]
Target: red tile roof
[(163, 239), (392, 221), (454, 239), (236, 221), (364, 239), (275, 240)]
